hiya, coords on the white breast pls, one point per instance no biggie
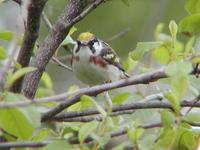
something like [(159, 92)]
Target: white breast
[(90, 73)]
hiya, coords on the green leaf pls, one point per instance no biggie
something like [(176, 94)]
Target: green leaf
[(126, 2), (167, 118), (135, 134), (186, 139), (129, 64), (19, 73), (84, 104), (99, 108), (120, 98), (192, 117), (46, 79), (180, 68), (3, 53), (14, 121), (173, 100), (86, 130), (192, 6), (165, 140), (143, 47), (68, 39), (59, 145), (72, 30), (179, 85), (102, 140), (190, 25), (189, 45), (6, 35), (30, 112), (161, 55), (41, 134)]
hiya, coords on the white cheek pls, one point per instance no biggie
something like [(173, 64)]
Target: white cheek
[(98, 47), (75, 48)]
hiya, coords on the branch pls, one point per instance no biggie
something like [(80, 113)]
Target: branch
[(74, 12), (72, 141), (57, 61), (64, 117), (32, 25), (118, 110), (93, 91)]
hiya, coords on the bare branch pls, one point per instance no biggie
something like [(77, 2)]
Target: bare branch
[(32, 26), (72, 141), (93, 91), (74, 12), (119, 110), (61, 64)]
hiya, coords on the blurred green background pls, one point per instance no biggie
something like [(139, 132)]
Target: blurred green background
[(111, 18)]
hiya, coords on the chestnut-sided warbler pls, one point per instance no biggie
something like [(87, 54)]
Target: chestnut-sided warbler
[(94, 61)]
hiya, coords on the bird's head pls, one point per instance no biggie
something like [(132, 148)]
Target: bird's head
[(87, 40)]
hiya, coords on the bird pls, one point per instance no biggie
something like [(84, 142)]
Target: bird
[(94, 62)]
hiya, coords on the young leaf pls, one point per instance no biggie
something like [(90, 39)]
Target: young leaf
[(171, 97), (143, 47), (46, 79), (161, 55), (99, 108), (3, 53), (178, 68), (190, 25), (173, 30), (192, 6), (129, 64), (167, 118), (86, 130), (6, 35), (19, 73), (120, 98), (135, 134), (59, 145), (14, 121)]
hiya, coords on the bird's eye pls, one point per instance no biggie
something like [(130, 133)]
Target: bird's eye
[(78, 43), (92, 42)]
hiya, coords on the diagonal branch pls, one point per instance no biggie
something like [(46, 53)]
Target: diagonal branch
[(74, 12), (32, 25)]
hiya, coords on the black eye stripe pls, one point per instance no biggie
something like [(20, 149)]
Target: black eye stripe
[(78, 47)]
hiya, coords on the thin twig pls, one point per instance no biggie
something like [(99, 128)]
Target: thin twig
[(61, 64), (118, 35)]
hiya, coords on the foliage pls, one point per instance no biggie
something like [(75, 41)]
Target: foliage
[(170, 49)]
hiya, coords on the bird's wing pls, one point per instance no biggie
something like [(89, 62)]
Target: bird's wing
[(110, 56)]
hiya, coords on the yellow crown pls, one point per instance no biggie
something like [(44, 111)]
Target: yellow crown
[(86, 36)]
